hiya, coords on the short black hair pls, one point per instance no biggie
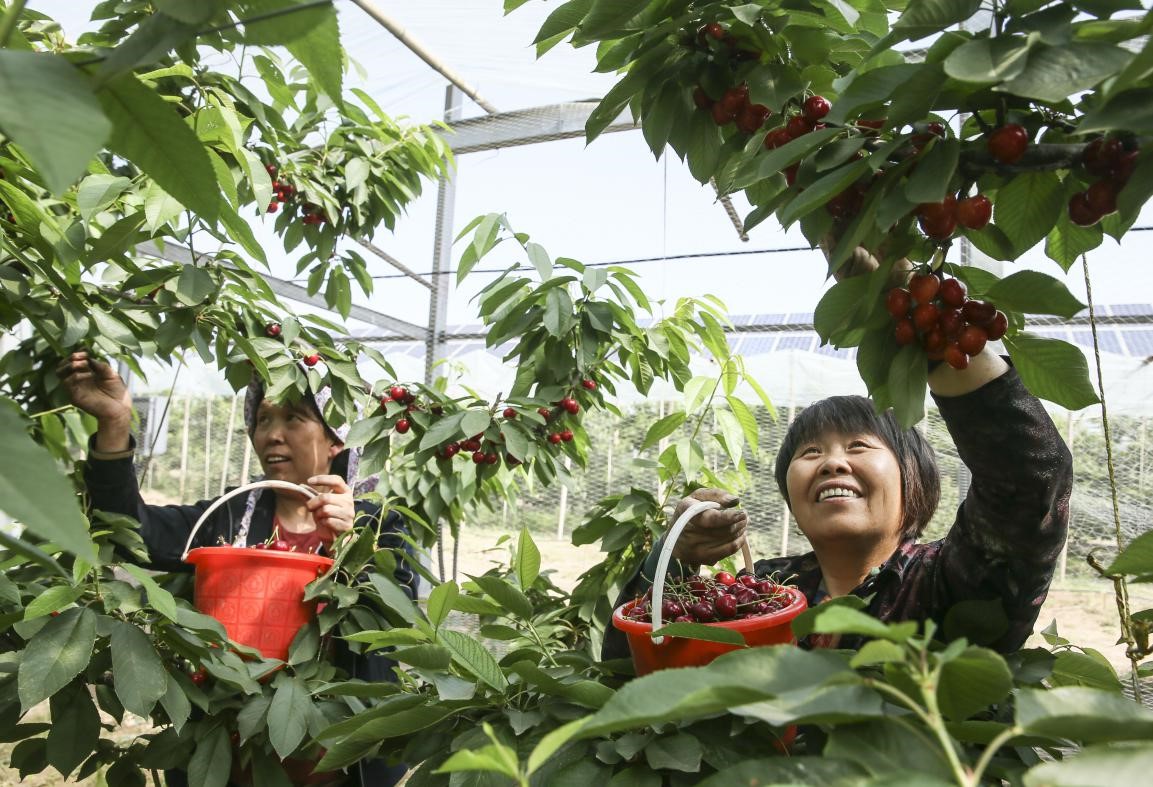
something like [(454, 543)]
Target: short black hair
[(920, 478)]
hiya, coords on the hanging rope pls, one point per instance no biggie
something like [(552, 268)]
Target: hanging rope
[(1120, 589)]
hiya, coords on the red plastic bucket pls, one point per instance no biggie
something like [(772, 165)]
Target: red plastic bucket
[(648, 656), (258, 594)]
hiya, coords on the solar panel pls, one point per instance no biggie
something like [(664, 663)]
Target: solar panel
[(1140, 343), (1052, 333), (1107, 339), (734, 339), (769, 319), (835, 352), (797, 342), (800, 318), (743, 319), (758, 344), (1130, 309)]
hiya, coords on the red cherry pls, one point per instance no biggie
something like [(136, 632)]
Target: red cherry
[(715, 30), (926, 316), (876, 124), (997, 326), (703, 611), (816, 107), (979, 312), (752, 117), (272, 330), (279, 545), (544, 412), (200, 677), (1102, 197), (721, 115), (470, 445), (748, 580), (403, 426), (589, 385), (566, 435), (554, 437), (955, 357), (952, 293), (791, 174), (735, 99), (491, 459), (933, 341), (670, 608), (777, 137), (1008, 143), (1125, 168), (972, 340), (311, 360), (725, 578), (898, 302), (798, 126), (271, 170), (938, 230), (261, 545), (509, 413), (924, 287), (952, 322), (905, 332), (974, 212), (397, 393), (273, 207), (701, 98), (1081, 212), (478, 457), (570, 405), (726, 607)]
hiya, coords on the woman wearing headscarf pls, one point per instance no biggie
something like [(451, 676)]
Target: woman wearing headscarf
[(293, 443)]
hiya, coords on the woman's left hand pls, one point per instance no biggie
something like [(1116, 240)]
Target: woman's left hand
[(333, 508)]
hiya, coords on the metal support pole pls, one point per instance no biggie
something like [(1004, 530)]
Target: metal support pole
[(441, 253), (207, 444), (785, 512), (184, 446), (1063, 560), (562, 507), (228, 445), (246, 463)]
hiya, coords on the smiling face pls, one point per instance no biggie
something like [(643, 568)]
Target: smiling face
[(292, 443), (845, 489)]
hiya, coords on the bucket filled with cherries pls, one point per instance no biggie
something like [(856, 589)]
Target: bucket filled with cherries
[(761, 611)]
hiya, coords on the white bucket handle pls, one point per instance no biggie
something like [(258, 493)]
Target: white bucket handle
[(667, 554), (302, 489)]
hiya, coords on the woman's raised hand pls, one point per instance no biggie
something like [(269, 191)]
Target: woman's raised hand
[(711, 535), (333, 508), (95, 387)]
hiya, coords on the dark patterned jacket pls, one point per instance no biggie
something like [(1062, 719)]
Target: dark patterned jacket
[(1003, 545)]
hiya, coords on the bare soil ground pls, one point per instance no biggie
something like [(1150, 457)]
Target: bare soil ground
[(1085, 612)]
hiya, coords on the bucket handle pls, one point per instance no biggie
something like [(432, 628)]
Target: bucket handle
[(667, 554), (267, 483)]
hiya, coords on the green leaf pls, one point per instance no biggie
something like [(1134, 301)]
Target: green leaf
[(312, 35), (787, 770), (704, 146), (429, 657), (907, 384), (527, 560), (97, 192), (563, 18), (443, 430), (1067, 241), (394, 598), (1071, 668), (840, 619), (1083, 715), (75, 728), (47, 108), (140, 678), (606, 18), (973, 681), (989, 60), (839, 306), (440, 602), (1052, 369), (539, 259), (496, 758), (56, 655), (675, 752), (870, 88), (475, 422), (211, 762), (288, 714), (1137, 558), (1094, 767), (1055, 73), (471, 656), (819, 192), (51, 600), (889, 748), (194, 286), (558, 312), (513, 601), (701, 631), (147, 131), (1028, 206), (1033, 292), (176, 705), (925, 17), (35, 493), (747, 419), (930, 181), (663, 428)]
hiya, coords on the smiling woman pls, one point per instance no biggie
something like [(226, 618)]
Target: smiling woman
[(862, 489)]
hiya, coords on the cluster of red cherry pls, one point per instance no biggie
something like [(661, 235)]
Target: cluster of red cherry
[(1107, 159), (284, 192), (697, 599), (950, 326)]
